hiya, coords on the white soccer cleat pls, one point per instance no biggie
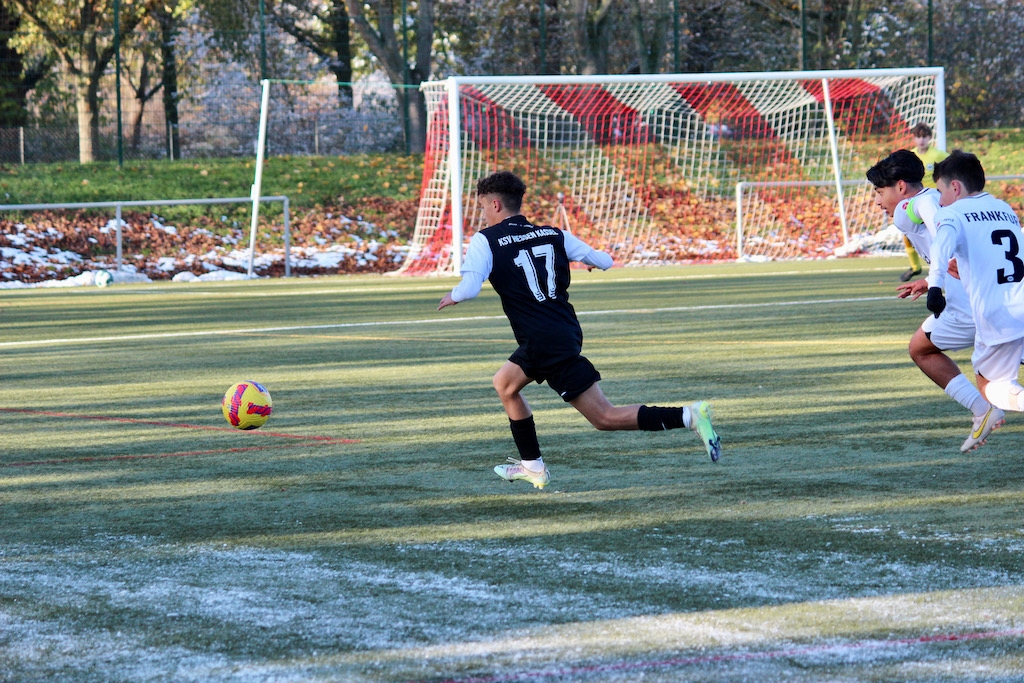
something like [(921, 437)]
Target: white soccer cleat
[(700, 422), (982, 427), (516, 470)]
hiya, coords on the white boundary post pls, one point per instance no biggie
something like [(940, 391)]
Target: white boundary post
[(836, 169), (117, 221), (739, 219), (940, 110), (455, 172), (257, 184), (287, 238)]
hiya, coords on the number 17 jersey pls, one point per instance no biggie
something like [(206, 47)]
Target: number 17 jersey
[(529, 269), (985, 235)]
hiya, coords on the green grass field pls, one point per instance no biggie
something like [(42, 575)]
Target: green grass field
[(361, 535)]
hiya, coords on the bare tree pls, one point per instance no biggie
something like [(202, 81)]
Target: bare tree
[(593, 34), (82, 36), (145, 89), (167, 18), (387, 45), (983, 52), (650, 35), (18, 76), (151, 69), (323, 29)]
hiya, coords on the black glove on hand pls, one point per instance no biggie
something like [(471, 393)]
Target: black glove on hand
[(936, 301)]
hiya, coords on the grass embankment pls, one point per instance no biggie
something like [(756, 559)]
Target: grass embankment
[(365, 184), (374, 186)]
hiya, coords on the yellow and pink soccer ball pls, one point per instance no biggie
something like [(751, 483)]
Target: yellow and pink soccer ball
[(247, 405)]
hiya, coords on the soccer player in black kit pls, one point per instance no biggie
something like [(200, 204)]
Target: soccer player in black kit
[(528, 266)]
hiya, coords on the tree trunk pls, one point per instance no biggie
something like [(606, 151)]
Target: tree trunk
[(141, 99), (13, 110), (169, 76), (86, 139), (386, 46), (416, 110), (592, 36), (87, 87), (650, 44), (341, 66)]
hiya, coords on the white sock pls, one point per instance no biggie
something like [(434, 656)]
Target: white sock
[(534, 465), (687, 418), (966, 394)]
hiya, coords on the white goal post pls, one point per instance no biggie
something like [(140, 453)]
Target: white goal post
[(664, 168)]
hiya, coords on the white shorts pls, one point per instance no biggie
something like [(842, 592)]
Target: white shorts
[(998, 363), (948, 333)]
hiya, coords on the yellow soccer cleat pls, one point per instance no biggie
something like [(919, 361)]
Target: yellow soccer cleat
[(982, 427)]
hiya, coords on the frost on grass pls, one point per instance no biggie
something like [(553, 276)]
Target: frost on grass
[(133, 609)]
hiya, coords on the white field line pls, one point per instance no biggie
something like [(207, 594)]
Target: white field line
[(444, 283), (421, 321)]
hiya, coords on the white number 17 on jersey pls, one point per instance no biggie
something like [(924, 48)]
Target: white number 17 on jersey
[(524, 261)]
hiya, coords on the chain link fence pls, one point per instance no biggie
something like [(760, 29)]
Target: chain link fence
[(304, 119), (213, 110)]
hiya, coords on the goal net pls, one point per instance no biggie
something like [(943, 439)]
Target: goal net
[(673, 168)]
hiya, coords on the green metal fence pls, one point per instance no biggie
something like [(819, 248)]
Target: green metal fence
[(212, 109)]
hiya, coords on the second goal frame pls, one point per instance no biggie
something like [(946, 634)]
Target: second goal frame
[(623, 148)]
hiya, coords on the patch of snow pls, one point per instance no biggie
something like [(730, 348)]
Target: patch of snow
[(253, 601)]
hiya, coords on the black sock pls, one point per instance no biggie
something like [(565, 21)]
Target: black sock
[(654, 419), (524, 433)]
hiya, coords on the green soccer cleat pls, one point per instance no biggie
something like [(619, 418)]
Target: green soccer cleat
[(515, 471), (700, 422), (982, 427)]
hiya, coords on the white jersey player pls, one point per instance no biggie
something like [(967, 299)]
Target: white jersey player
[(900, 193), (984, 235), (915, 217)]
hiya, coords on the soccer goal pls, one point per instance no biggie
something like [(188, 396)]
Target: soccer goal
[(672, 168)]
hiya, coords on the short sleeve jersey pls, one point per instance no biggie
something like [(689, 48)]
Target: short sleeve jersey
[(530, 273), (989, 247)]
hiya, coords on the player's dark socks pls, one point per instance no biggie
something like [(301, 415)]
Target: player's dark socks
[(654, 419), (524, 433)]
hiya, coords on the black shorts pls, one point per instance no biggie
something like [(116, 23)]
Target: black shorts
[(569, 377)]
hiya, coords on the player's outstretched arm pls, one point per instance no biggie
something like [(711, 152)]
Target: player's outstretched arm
[(446, 301), (578, 250), (475, 269)]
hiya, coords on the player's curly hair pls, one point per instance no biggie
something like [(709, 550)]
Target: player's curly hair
[(506, 185), (962, 166), (900, 165)]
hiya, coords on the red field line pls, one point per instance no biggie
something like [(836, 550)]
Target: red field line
[(183, 454), (128, 420), (738, 657)]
